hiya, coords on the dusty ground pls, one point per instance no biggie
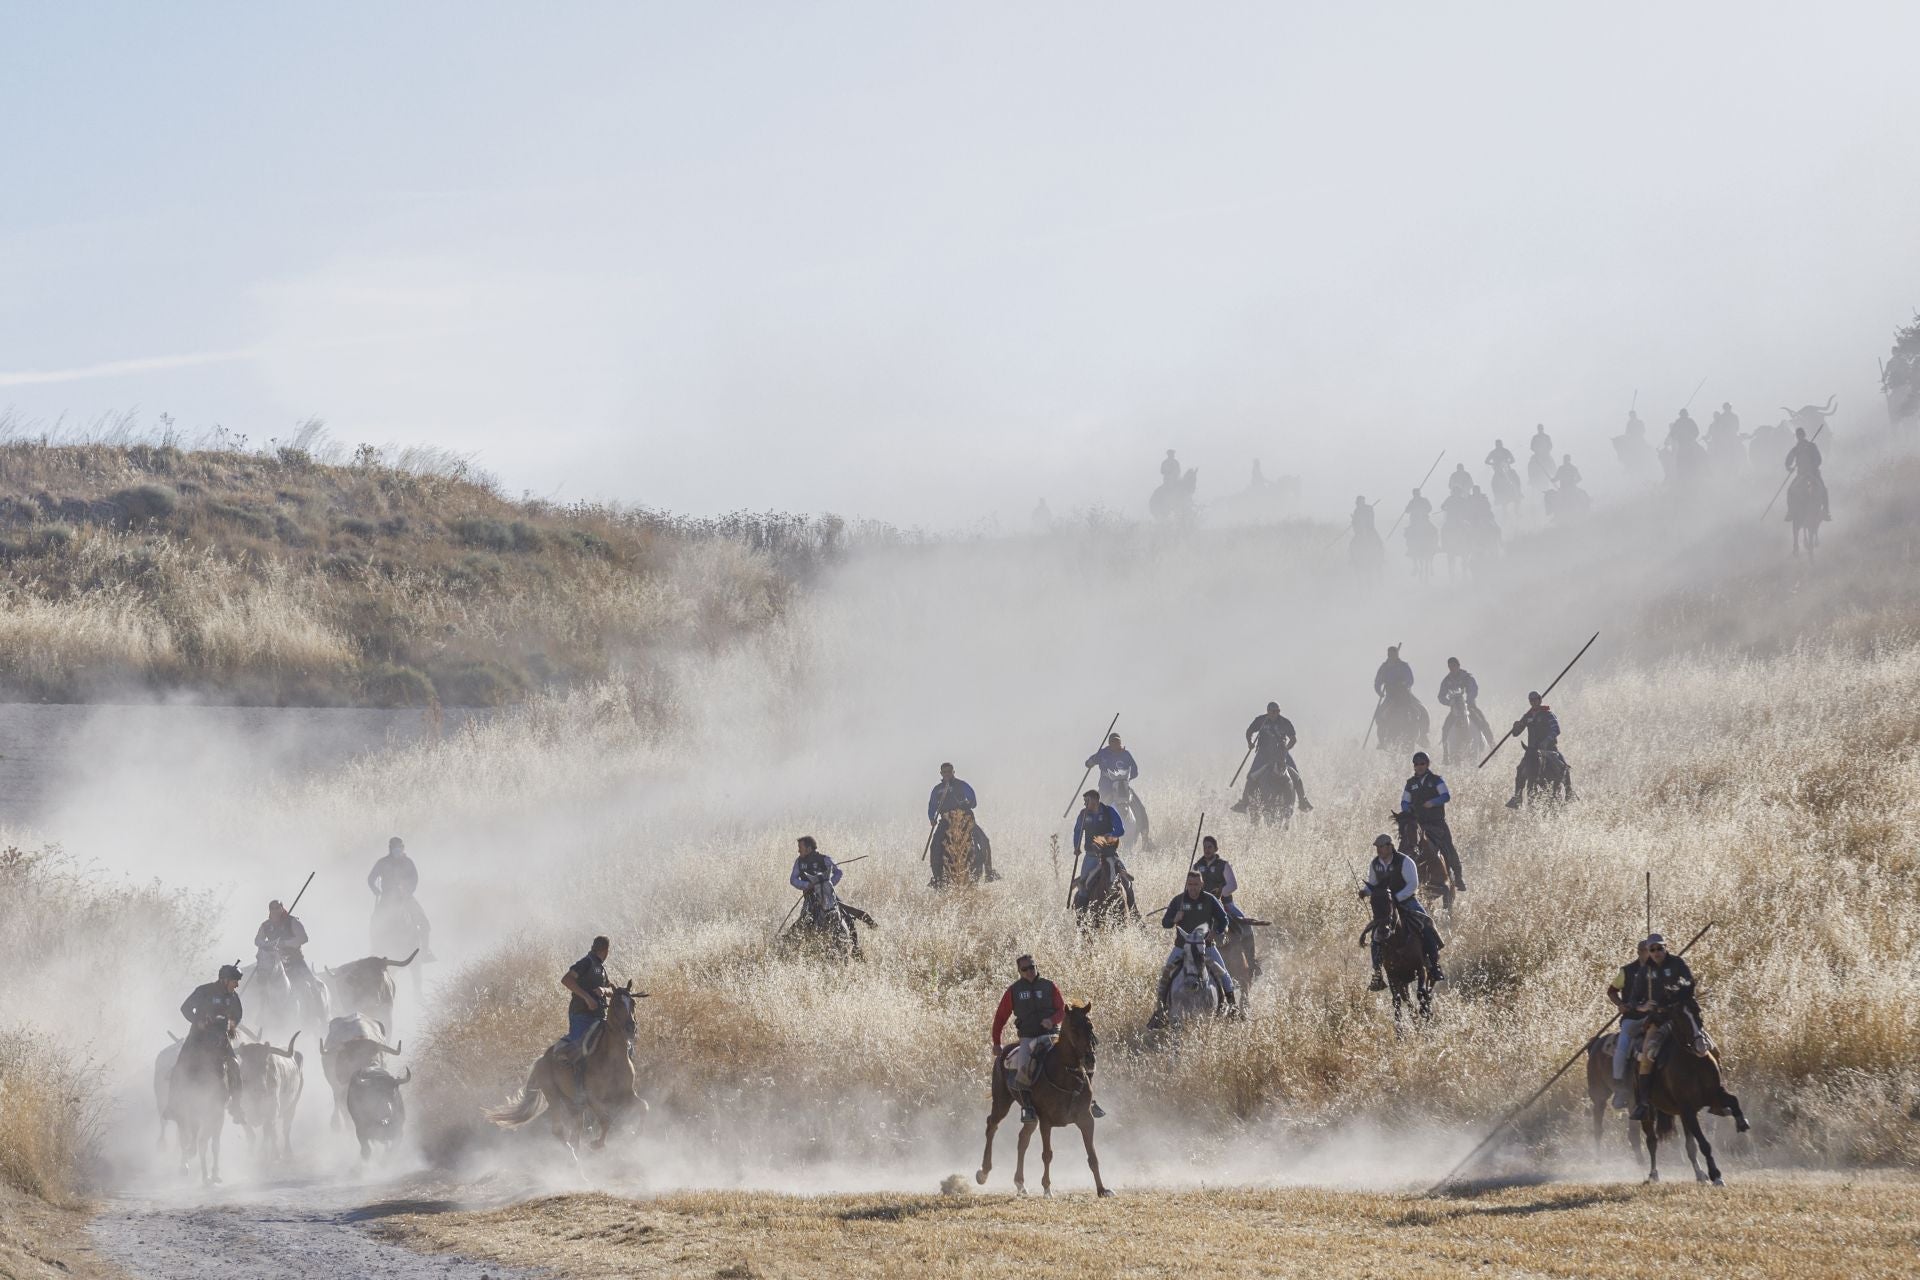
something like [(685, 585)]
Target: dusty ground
[(38, 1240), (1802, 1226)]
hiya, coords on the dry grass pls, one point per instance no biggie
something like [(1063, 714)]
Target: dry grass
[(1804, 1227), (273, 577)]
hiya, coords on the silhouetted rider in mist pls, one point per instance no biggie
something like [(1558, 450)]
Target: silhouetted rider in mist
[(394, 880), (1272, 738)]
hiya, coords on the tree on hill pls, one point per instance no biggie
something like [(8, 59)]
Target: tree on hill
[(1900, 376)]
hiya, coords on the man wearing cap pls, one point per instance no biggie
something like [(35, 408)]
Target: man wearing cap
[(1272, 737), (1459, 679), (1190, 909), (1395, 873), (1425, 797), (1037, 1009), (1627, 990), (1670, 995), (219, 999), (1542, 730)]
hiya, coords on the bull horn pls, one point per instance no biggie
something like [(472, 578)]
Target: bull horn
[(288, 1051), (403, 1079), (388, 1048), (173, 1037), (401, 964), (1833, 402)]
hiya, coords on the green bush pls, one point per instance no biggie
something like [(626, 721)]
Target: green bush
[(488, 535), (145, 502)]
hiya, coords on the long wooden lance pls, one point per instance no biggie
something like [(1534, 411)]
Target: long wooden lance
[(934, 826), (797, 901), (1423, 484), (1089, 770), (1349, 529), (296, 902), (1790, 475), (1243, 764), (1198, 827), (1696, 391), (1543, 697), (1514, 1114)]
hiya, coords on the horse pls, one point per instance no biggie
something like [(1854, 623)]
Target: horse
[(1173, 499), (1461, 736), (287, 1001), (1567, 502), (1401, 957), (961, 850), (1270, 796), (1545, 775), (1240, 951), (197, 1092), (1062, 1095), (397, 929), (1423, 543), (1506, 488), (1195, 992), (1106, 899), (1805, 512), (1401, 720), (611, 1082), (1540, 469), (1116, 789), (163, 1082), (1686, 1078), (826, 925), (1600, 1097), (1436, 879)]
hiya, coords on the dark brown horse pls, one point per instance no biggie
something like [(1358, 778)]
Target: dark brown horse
[(1062, 1095), (612, 1084), (1401, 957), (1685, 1080), (1600, 1097)]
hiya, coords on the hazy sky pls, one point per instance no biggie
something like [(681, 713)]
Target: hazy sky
[(933, 264)]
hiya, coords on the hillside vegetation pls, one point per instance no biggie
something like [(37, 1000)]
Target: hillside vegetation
[(275, 577)]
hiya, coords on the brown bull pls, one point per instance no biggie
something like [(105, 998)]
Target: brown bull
[(365, 986)]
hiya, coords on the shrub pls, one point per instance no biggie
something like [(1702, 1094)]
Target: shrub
[(254, 522), (525, 536), (355, 527), (476, 684), (389, 685), (488, 535), (145, 502)]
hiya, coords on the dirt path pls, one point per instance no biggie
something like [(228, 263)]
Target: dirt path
[(285, 1233)]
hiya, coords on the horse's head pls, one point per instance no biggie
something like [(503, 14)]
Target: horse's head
[(1385, 918), (621, 1014), (1077, 1031)]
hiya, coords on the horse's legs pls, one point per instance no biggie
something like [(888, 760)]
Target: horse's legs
[(1692, 1121), (1652, 1136), (1093, 1161), (1020, 1158), (1002, 1100), (1046, 1159), (1732, 1104)]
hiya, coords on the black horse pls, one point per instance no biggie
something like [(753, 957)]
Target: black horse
[(827, 926), (1105, 899), (1401, 957)]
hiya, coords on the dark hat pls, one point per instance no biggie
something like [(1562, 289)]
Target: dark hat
[(1420, 757), (229, 973), (1380, 840)]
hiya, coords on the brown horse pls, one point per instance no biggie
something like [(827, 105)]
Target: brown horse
[(1686, 1079), (1436, 882), (611, 1082), (960, 850), (1600, 1097), (1401, 958), (1062, 1095)]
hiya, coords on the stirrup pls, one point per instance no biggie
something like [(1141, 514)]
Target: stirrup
[(1096, 1110)]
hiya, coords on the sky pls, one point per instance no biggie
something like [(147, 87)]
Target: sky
[(933, 263)]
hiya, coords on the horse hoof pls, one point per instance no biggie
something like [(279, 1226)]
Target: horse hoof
[(1716, 1181), (980, 1178), (1700, 1177), (1105, 1192), (1019, 1190), (1653, 1177)]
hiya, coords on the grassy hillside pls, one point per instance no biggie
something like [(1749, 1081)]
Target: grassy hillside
[(274, 577)]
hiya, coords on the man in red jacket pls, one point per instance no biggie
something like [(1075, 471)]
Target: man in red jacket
[(1037, 1009)]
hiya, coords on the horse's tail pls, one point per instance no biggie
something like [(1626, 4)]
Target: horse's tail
[(531, 1102)]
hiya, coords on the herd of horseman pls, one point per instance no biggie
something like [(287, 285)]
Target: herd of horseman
[(588, 1079), (1686, 462)]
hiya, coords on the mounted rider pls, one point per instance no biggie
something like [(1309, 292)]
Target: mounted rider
[(1271, 737), (1542, 730), (1217, 878), (1190, 909), (1627, 990), (281, 936), (1540, 452), (1393, 685), (1568, 475), (1425, 797), (1500, 456), (1671, 995), (1419, 507), (811, 866), (1459, 480), (1803, 460), (1460, 680), (1394, 872), (1037, 1009), (1170, 472), (394, 880), (1117, 771), (1097, 829), (586, 979), (952, 795), (219, 999)]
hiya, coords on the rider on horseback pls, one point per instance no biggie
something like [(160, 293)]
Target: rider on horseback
[(1113, 758), (1418, 506), (1217, 878), (1542, 728), (1269, 736), (950, 795), (1459, 480), (1458, 678), (394, 879), (1425, 797), (219, 999), (1628, 992), (1394, 872), (1669, 994), (281, 935), (1500, 456), (812, 866), (1804, 461), (1096, 834), (1037, 1009), (1191, 908), (588, 982)]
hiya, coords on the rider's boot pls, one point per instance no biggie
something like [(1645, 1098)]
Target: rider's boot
[(1227, 999), (1099, 1112), (1027, 1115)]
